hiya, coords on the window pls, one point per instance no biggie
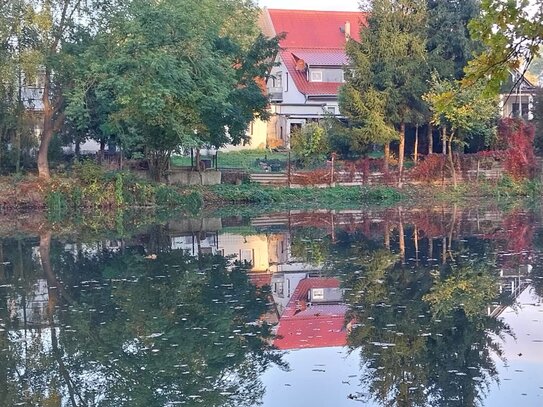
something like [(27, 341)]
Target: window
[(285, 88), (316, 76), (317, 294), (516, 109), (246, 255), (278, 80)]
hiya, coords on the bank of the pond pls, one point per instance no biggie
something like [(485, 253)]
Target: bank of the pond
[(89, 191)]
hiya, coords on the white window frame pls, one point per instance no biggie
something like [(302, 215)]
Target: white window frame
[(316, 76), (278, 82)]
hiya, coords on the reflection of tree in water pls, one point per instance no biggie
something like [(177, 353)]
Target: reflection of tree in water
[(422, 330), (137, 331), (310, 245), (536, 273)]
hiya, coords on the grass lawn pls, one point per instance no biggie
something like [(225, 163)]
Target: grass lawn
[(246, 159)]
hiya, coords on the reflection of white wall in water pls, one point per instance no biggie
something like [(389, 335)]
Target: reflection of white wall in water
[(283, 286), (252, 249), (33, 308), (189, 244), (266, 253), (92, 249)]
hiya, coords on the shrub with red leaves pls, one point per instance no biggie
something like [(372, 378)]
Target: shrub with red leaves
[(432, 168), (518, 136), (314, 177)]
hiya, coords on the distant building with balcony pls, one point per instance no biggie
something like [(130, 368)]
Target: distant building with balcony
[(517, 97)]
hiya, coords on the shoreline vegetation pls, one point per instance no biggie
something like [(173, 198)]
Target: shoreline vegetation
[(89, 187)]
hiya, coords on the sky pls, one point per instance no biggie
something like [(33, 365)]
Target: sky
[(337, 5)]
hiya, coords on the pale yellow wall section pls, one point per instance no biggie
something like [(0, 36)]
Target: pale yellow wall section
[(257, 132), (253, 249)]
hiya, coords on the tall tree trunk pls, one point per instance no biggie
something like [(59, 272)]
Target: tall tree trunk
[(451, 159), (386, 236), (387, 156), (444, 250), (47, 131), (416, 152), (43, 151), (401, 233), (52, 283), (444, 140), (102, 151), (18, 150), (430, 135), (416, 241), (52, 120), (401, 154)]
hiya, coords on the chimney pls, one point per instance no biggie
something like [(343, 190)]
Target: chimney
[(347, 30)]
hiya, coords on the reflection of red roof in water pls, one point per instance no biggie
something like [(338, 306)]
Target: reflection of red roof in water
[(313, 327)]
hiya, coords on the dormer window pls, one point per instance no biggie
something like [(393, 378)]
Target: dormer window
[(316, 76)]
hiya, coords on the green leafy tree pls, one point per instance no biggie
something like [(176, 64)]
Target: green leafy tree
[(461, 111), (449, 44), (512, 34), (17, 67), (538, 121), (310, 144), (52, 26), (386, 79), (164, 83)]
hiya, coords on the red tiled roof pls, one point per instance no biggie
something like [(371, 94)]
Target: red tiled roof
[(322, 57), (315, 29), (320, 325), (318, 38), (301, 82)]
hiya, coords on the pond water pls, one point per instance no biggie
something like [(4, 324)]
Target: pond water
[(392, 307)]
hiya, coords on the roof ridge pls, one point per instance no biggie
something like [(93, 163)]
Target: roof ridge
[(317, 11)]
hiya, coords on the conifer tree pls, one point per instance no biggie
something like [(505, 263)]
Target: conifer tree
[(388, 73)]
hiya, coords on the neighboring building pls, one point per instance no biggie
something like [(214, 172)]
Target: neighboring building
[(517, 97)]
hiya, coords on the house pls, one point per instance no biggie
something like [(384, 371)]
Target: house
[(517, 97), (314, 316), (304, 85)]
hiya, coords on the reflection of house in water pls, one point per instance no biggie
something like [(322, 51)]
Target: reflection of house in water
[(91, 248), (314, 315), (31, 309), (203, 243), (266, 252), (513, 282)]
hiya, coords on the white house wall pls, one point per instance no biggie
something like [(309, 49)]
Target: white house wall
[(291, 94)]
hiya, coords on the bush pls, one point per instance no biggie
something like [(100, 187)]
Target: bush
[(432, 168), (520, 158)]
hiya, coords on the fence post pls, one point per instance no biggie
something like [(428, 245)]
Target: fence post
[(332, 171), (288, 169)]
